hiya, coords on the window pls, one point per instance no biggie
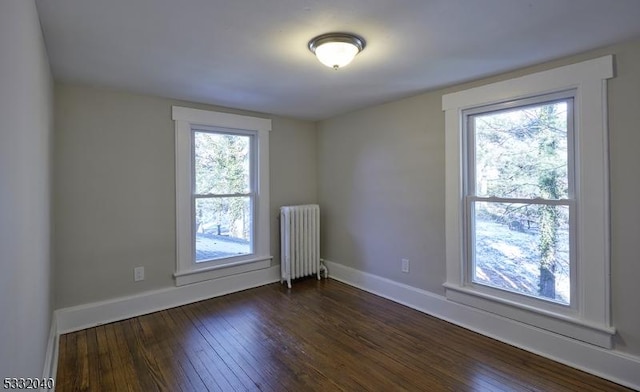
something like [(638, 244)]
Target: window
[(527, 200), (520, 199), (222, 196)]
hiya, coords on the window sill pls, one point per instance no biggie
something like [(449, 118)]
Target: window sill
[(566, 325), (218, 271)]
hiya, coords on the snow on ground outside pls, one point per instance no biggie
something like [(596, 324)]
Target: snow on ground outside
[(509, 259), (209, 246)]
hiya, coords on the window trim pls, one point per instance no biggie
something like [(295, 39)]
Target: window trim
[(591, 320), (187, 121)]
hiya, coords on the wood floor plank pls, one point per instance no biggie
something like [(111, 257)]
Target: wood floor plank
[(262, 370), (303, 351), (197, 347), (350, 342), (436, 342), (155, 331), (144, 362), (147, 335), (62, 374), (403, 336), (124, 377), (243, 362), (233, 373), (334, 350), (251, 332), (183, 356), (103, 364), (255, 329), (318, 336)]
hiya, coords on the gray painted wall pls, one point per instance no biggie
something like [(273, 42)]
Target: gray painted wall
[(381, 188), (114, 192), (26, 124), (381, 177)]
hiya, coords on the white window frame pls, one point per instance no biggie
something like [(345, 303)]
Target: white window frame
[(589, 317), (188, 121), (470, 196)]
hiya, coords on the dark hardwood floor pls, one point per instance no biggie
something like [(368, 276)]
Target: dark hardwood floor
[(324, 336)]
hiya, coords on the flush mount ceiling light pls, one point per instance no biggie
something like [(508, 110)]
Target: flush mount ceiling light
[(336, 50)]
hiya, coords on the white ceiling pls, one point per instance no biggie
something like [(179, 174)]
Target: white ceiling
[(252, 54)]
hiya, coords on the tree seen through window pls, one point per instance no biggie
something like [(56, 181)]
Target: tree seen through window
[(223, 195), (520, 200)]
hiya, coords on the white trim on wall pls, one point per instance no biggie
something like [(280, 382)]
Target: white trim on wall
[(612, 365), (80, 317), (51, 355)]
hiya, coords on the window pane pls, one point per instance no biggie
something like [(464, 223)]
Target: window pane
[(523, 248), (223, 227), (522, 152), (221, 163)]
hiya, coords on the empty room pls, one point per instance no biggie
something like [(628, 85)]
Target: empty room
[(411, 195)]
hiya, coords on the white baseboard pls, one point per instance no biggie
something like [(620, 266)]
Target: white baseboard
[(89, 315), (51, 355), (613, 365)]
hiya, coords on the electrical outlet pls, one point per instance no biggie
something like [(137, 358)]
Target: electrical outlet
[(405, 266), (138, 274)]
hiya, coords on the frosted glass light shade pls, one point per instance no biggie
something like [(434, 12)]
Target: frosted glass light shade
[(336, 50), (336, 54)]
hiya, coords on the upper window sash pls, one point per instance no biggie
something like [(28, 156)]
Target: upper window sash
[(470, 136), (253, 167)]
